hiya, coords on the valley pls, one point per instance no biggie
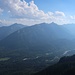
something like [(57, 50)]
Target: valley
[(31, 49), (37, 37)]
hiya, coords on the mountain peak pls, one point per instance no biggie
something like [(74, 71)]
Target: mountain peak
[(16, 24), (19, 25), (53, 23)]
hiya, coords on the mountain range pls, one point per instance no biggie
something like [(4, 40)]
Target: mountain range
[(34, 47), (7, 30), (71, 28), (34, 39)]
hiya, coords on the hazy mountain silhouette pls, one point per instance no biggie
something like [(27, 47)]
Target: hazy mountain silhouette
[(34, 47), (34, 38), (70, 28), (7, 30)]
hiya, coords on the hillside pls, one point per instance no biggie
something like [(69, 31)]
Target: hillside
[(65, 66), (31, 49), (7, 30), (34, 39)]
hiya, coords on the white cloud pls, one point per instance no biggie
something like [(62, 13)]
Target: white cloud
[(72, 17), (28, 13), (6, 22), (1, 10), (22, 9), (58, 13)]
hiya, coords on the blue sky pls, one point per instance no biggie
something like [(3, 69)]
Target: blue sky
[(67, 6), (31, 12)]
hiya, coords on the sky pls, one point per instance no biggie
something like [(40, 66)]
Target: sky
[(30, 12)]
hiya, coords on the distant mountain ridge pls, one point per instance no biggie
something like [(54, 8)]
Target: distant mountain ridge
[(71, 28), (35, 39), (34, 47), (7, 30), (38, 33)]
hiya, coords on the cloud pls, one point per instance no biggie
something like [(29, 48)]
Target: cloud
[(58, 13), (1, 10), (72, 17), (6, 22), (29, 13), (22, 9)]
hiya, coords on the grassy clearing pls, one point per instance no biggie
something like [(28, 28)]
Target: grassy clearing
[(4, 59)]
